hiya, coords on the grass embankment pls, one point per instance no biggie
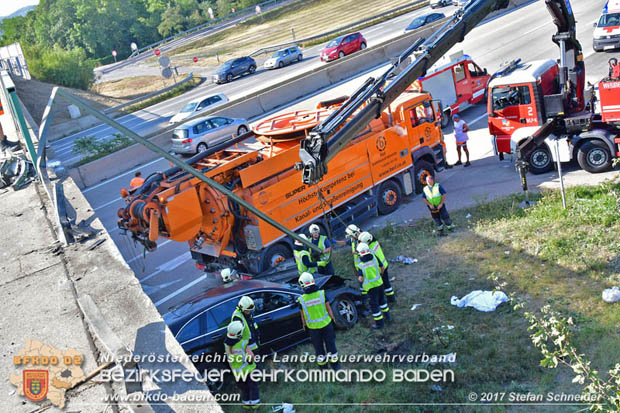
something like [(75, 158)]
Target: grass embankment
[(177, 91), (274, 27), (545, 254)]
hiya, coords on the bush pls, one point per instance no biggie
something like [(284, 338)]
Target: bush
[(68, 68), (92, 149)]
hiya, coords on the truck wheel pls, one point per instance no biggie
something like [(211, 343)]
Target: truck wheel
[(445, 119), (345, 313), (422, 170), (389, 197), (540, 160), (274, 255), (594, 157)]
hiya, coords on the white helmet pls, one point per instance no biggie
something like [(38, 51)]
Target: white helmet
[(363, 248), (365, 237), (246, 303), (235, 329), (352, 230), (314, 229), (304, 236), (306, 280), (228, 274)]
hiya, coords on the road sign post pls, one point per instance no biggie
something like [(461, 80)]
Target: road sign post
[(157, 52)]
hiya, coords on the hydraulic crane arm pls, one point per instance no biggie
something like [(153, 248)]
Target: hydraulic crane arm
[(332, 135)]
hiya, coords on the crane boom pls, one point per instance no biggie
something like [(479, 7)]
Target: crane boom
[(332, 135)]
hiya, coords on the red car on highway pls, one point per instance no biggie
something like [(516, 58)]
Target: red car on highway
[(342, 46)]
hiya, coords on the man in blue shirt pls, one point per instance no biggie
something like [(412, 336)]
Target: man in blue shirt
[(435, 197)]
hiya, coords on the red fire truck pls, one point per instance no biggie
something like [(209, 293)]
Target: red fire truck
[(457, 82)]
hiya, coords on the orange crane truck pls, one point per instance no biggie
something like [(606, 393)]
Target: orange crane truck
[(388, 160)]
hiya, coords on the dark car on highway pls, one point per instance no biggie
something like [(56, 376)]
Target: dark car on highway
[(424, 20), (233, 68), (342, 46), (199, 323)]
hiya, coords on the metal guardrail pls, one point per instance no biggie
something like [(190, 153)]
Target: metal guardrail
[(150, 95)]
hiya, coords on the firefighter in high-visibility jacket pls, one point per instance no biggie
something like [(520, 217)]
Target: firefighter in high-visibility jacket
[(324, 262), (303, 258), (317, 315), (352, 233), (369, 272), (243, 313), (375, 247), (241, 361)]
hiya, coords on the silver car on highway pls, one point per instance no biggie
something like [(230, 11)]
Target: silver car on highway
[(200, 134), (284, 57)]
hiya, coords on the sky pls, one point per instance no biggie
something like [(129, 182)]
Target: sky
[(9, 6)]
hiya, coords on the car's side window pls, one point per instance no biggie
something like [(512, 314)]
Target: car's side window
[(218, 122), (223, 312), (270, 301), (192, 329), (215, 99), (203, 104)]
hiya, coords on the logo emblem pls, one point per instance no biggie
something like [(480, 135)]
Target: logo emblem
[(35, 384), (381, 143)]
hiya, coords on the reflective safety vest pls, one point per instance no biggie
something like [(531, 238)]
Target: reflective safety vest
[(356, 257), (371, 274), (136, 182), (324, 260), (299, 259), (236, 356), (238, 314), (375, 247), (433, 196), (314, 309)]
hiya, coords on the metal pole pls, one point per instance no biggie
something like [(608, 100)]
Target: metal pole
[(293, 33), (557, 155), (194, 172)]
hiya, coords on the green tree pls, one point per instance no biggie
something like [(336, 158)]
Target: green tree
[(172, 21)]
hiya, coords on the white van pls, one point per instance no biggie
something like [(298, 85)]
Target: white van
[(607, 29)]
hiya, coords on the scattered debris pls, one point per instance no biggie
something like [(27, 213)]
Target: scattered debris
[(96, 243), (481, 300), (436, 388), (15, 170), (405, 260), (448, 327), (415, 306), (507, 252), (392, 279), (284, 408), (471, 278), (468, 216), (611, 295)]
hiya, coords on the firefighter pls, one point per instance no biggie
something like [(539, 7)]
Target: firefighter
[(304, 261), (375, 247), (243, 313), (435, 197), (229, 276), (369, 274), (352, 234), (136, 182), (324, 264), (317, 315), (241, 361)]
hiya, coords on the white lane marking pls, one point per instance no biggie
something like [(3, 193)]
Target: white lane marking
[(120, 176), (179, 291), (484, 115), (169, 266), (108, 204), (140, 256)]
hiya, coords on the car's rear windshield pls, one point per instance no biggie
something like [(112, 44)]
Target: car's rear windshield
[(609, 19), (179, 133), (189, 107)]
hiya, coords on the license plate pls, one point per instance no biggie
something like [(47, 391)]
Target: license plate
[(608, 47)]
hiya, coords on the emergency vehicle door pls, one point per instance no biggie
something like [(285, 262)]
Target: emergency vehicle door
[(463, 85), (478, 79), (512, 108)]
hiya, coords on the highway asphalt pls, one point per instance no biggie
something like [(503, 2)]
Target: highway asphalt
[(168, 274), (157, 116)]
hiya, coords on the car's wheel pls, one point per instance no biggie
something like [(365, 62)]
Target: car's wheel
[(229, 77), (594, 157), (389, 197), (300, 58), (345, 312), (242, 129), (540, 160), (202, 147), (252, 69), (341, 55), (275, 255), (422, 170), (362, 46), (445, 119)]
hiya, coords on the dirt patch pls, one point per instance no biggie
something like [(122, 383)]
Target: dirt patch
[(134, 87)]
